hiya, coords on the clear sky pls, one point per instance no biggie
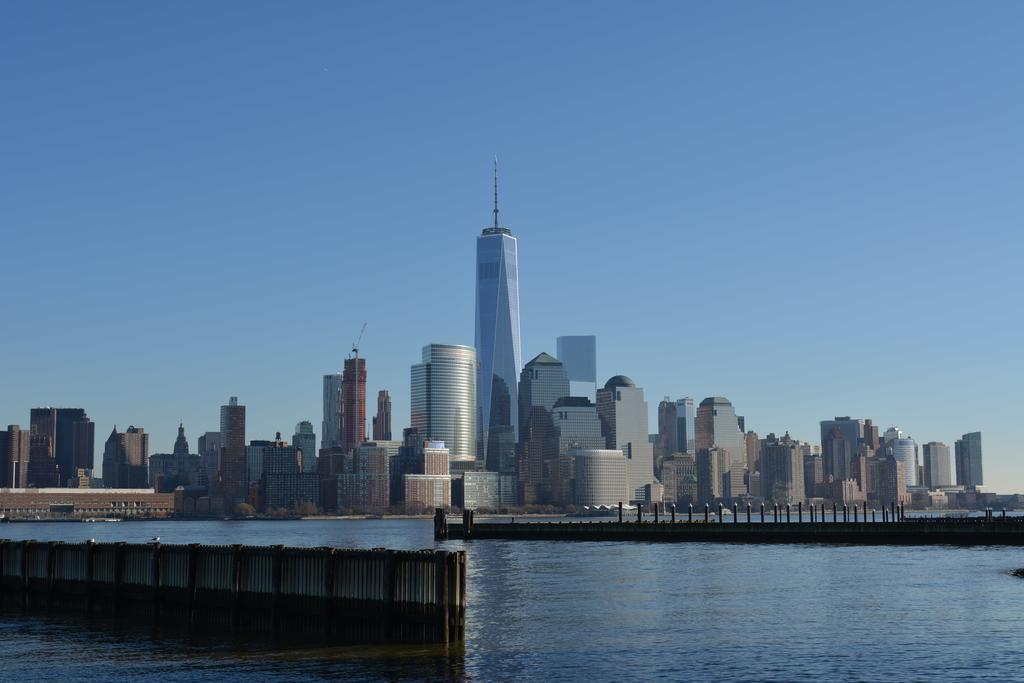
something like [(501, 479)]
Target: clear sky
[(811, 208)]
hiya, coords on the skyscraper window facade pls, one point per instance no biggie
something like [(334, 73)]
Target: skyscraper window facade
[(353, 404), (937, 472), (330, 428), (541, 383), (782, 470), (716, 426), (232, 454), (305, 439), (382, 420), (853, 431), (668, 433), (968, 460), (498, 345), (577, 423), (602, 476), (904, 450), (443, 398), (685, 435)]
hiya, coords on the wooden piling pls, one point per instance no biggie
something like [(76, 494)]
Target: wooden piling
[(384, 596), (440, 524)]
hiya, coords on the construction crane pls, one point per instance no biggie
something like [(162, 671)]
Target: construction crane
[(355, 344)]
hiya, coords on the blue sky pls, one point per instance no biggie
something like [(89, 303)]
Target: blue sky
[(810, 208)]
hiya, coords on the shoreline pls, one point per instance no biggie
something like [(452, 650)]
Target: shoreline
[(307, 518)]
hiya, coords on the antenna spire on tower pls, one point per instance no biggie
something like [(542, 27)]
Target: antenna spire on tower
[(496, 191)]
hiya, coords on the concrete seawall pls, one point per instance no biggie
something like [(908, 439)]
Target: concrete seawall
[(330, 594)]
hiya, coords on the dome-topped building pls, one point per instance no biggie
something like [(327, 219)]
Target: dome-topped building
[(623, 412), (619, 381)]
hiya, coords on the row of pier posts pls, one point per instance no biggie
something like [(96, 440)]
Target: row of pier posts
[(990, 514), (895, 513)]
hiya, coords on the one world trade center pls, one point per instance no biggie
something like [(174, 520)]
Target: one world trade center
[(497, 343)]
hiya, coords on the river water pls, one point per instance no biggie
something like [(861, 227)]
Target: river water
[(591, 611)]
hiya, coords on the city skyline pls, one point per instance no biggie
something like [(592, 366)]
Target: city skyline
[(652, 241), (506, 350)]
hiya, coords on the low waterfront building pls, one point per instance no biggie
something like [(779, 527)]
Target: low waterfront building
[(84, 502), (476, 490)]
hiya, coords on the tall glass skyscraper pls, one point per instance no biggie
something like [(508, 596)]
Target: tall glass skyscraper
[(904, 450), (497, 344), (541, 383), (968, 460), (937, 472), (443, 398), (686, 438), (305, 439), (579, 354), (330, 428)]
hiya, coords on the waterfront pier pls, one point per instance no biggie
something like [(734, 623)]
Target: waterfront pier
[(778, 525), (328, 594)]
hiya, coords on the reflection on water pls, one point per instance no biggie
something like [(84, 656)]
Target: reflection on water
[(599, 611), (56, 647)]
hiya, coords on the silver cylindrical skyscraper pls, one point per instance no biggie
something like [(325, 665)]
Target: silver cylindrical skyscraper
[(443, 398)]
